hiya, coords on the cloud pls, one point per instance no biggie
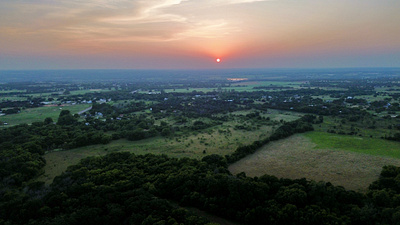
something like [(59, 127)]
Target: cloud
[(105, 21), (249, 27)]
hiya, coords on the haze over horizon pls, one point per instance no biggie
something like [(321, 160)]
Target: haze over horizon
[(188, 34)]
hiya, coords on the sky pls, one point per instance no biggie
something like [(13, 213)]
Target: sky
[(192, 34)]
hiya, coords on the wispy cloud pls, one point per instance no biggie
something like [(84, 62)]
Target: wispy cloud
[(245, 26)]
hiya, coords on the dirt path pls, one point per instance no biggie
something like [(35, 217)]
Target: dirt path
[(85, 110)]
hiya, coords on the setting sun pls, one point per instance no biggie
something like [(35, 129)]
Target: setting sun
[(218, 60)]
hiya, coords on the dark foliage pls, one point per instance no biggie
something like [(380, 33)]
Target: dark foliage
[(122, 188)]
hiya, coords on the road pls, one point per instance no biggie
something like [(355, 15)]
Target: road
[(85, 110)]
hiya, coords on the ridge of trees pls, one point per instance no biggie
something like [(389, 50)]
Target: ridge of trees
[(301, 125)]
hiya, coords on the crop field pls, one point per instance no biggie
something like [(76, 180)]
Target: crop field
[(39, 114), (299, 156)]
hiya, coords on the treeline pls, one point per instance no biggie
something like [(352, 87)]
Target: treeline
[(123, 188), (301, 125), (22, 146), (394, 137), (14, 107)]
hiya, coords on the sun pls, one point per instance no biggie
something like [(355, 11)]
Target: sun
[(218, 60)]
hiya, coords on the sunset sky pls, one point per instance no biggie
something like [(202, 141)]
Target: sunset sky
[(191, 34)]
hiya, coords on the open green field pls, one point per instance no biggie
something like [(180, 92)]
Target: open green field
[(13, 90), (188, 90), (82, 92), (248, 86), (278, 115), (39, 114), (212, 141), (372, 98), (12, 98), (240, 86), (393, 89), (222, 139), (299, 156), (362, 128), (364, 145)]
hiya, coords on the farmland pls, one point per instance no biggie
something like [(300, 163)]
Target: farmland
[(221, 139), (298, 143), (303, 156), (31, 115)]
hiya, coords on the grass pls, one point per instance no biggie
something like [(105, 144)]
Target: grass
[(241, 86), (13, 90), (361, 127), (82, 92), (324, 97), (278, 115), (298, 157), (12, 98), (39, 114), (58, 161), (248, 86), (189, 90), (364, 145), (222, 140)]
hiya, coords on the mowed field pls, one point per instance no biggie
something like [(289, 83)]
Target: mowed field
[(314, 157)]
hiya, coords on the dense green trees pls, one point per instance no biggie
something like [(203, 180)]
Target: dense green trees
[(66, 118), (127, 189), (122, 188)]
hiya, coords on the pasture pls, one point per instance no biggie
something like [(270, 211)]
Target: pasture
[(39, 114), (313, 156), (221, 139), (364, 145), (240, 86)]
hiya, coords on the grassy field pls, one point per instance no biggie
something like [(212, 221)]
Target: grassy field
[(298, 156), (12, 98), (361, 127), (222, 139), (82, 92), (39, 114), (364, 145), (13, 90), (278, 115), (248, 86), (241, 86), (218, 140)]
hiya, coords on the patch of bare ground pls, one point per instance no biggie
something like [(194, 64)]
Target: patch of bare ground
[(296, 157)]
